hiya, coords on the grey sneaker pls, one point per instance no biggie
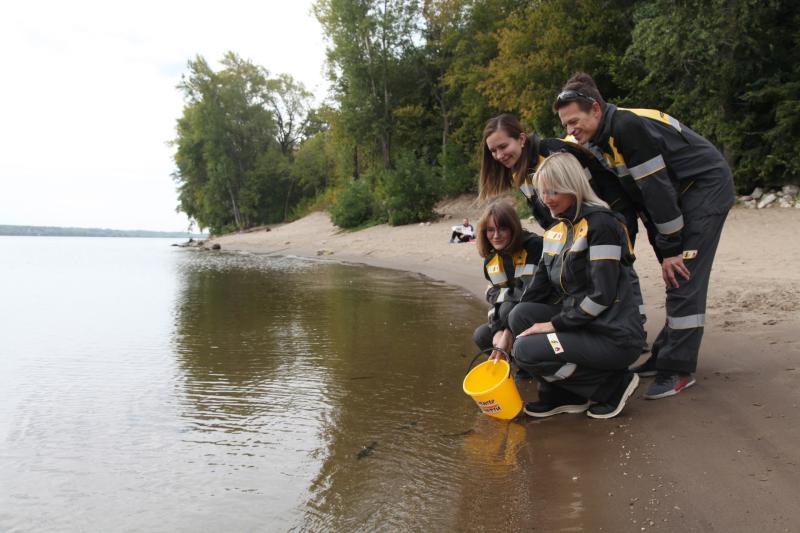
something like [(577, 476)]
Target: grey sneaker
[(646, 369), (668, 384), (616, 403)]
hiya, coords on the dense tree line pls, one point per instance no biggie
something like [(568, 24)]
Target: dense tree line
[(412, 84)]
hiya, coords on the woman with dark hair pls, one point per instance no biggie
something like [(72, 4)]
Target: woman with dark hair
[(510, 157), (510, 257), (581, 353)]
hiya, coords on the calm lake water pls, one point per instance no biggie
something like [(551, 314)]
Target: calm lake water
[(152, 388)]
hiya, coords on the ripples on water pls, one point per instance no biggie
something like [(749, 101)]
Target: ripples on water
[(163, 389)]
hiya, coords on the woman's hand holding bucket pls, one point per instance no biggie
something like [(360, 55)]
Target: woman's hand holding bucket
[(503, 340)]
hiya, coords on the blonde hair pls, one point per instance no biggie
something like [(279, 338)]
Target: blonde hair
[(504, 216), (562, 172)]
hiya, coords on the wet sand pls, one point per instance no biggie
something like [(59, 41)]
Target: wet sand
[(720, 456)]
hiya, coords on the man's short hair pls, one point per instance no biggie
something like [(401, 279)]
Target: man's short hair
[(582, 89)]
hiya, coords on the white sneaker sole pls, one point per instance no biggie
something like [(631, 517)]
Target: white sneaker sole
[(573, 409), (627, 394)]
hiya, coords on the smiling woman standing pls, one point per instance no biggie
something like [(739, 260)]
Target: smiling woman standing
[(510, 157), (581, 354)]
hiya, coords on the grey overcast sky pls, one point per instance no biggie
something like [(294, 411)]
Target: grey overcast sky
[(88, 99)]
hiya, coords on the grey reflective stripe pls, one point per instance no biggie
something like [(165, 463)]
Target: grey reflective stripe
[(621, 170), (551, 246), (605, 251), (525, 270), (668, 228), (591, 307), (526, 189), (686, 322), (563, 373), (498, 278), (580, 244), (642, 310), (502, 296), (648, 167), (673, 122)]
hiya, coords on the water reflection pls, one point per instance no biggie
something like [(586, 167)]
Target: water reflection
[(338, 386)]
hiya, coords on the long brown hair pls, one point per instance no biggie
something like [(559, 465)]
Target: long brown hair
[(504, 216), (495, 178)]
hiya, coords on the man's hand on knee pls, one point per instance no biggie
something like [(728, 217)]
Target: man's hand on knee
[(671, 268)]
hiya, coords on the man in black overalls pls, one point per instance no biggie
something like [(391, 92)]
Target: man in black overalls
[(687, 189)]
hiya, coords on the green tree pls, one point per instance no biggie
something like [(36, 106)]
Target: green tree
[(461, 39), (236, 143), (727, 69), (290, 104), (224, 129), (540, 46), (368, 40), (410, 190)]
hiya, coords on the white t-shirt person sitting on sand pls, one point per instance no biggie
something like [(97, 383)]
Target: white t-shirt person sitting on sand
[(463, 233)]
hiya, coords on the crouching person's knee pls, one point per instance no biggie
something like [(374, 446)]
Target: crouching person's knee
[(526, 314), (517, 323), (534, 354), (483, 337)]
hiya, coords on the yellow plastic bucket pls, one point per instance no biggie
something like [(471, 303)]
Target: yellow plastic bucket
[(491, 386)]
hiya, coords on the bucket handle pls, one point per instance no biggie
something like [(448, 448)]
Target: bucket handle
[(488, 351)]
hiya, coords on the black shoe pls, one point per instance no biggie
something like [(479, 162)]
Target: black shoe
[(646, 369), (544, 409), (617, 401)]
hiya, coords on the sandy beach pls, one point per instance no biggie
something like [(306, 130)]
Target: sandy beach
[(720, 456)]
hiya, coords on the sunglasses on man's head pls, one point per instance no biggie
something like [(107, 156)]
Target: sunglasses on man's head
[(570, 96)]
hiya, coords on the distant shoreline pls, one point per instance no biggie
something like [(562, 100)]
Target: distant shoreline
[(55, 231)]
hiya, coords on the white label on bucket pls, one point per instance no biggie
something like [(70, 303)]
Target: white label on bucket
[(489, 406), (555, 343)]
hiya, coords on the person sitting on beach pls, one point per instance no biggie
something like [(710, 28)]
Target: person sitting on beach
[(581, 354), (510, 257), (463, 233)]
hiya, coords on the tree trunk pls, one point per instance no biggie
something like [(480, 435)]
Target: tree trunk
[(237, 217), (286, 203), (356, 173), (386, 140), (445, 129)]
